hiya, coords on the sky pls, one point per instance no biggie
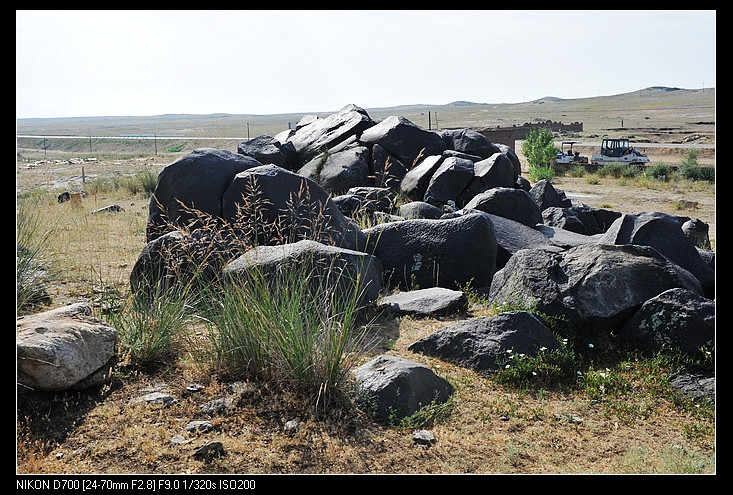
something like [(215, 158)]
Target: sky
[(88, 63)]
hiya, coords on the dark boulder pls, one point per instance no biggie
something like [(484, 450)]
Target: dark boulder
[(318, 135), (394, 387), (447, 182), (469, 141), (266, 150), (270, 205), (434, 301), (403, 139), (194, 183), (420, 209), (494, 171), (485, 343), (596, 287), (435, 253), (354, 275), (339, 171), (416, 180), (515, 204), (675, 319), (664, 233)]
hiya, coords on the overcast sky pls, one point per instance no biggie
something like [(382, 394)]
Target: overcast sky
[(144, 63)]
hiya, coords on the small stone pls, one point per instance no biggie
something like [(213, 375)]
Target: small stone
[(178, 440), (199, 426), (423, 437), (292, 427), (209, 451)]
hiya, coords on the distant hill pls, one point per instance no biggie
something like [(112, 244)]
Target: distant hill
[(656, 106)]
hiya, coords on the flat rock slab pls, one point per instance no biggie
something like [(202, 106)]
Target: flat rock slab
[(425, 302)]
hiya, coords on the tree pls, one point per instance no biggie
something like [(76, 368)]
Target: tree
[(539, 148)]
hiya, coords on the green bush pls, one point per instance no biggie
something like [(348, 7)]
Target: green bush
[(539, 172), (659, 171)]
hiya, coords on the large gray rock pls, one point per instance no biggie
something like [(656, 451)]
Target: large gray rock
[(351, 273), (675, 319), (339, 171), (546, 196), (266, 150), (388, 170), (664, 233), (448, 181), (275, 206), (507, 202), (596, 287), (494, 171), (63, 349), (416, 180), (435, 253), (420, 209), (469, 141), (483, 343), (322, 134), (403, 139), (435, 301), (197, 182), (393, 387)]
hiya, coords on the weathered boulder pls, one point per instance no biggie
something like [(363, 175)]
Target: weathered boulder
[(394, 387), (350, 273), (697, 231), (353, 205), (403, 139), (484, 343), (664, 233), (266, 150), (512, 155), (387, 170), (546, 196), (448, 181), (675, 319), (563, 218), (435, 253), (382, 198), (416, 180), (336, 172), (469, 141), (276, 206), (63, 349), (596, 287), (420, 209), (434, 301), (182, 257), (317, 135), (507, 202), (494, 171), (695, 385), (193, 183)]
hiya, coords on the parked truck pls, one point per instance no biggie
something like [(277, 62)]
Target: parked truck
[(568, 156), (618, 150)]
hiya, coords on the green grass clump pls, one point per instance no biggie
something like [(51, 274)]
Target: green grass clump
[(295, 326), (32, 263)]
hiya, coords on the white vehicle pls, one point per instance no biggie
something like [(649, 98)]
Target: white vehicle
[(618, 150), (569, 157)]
